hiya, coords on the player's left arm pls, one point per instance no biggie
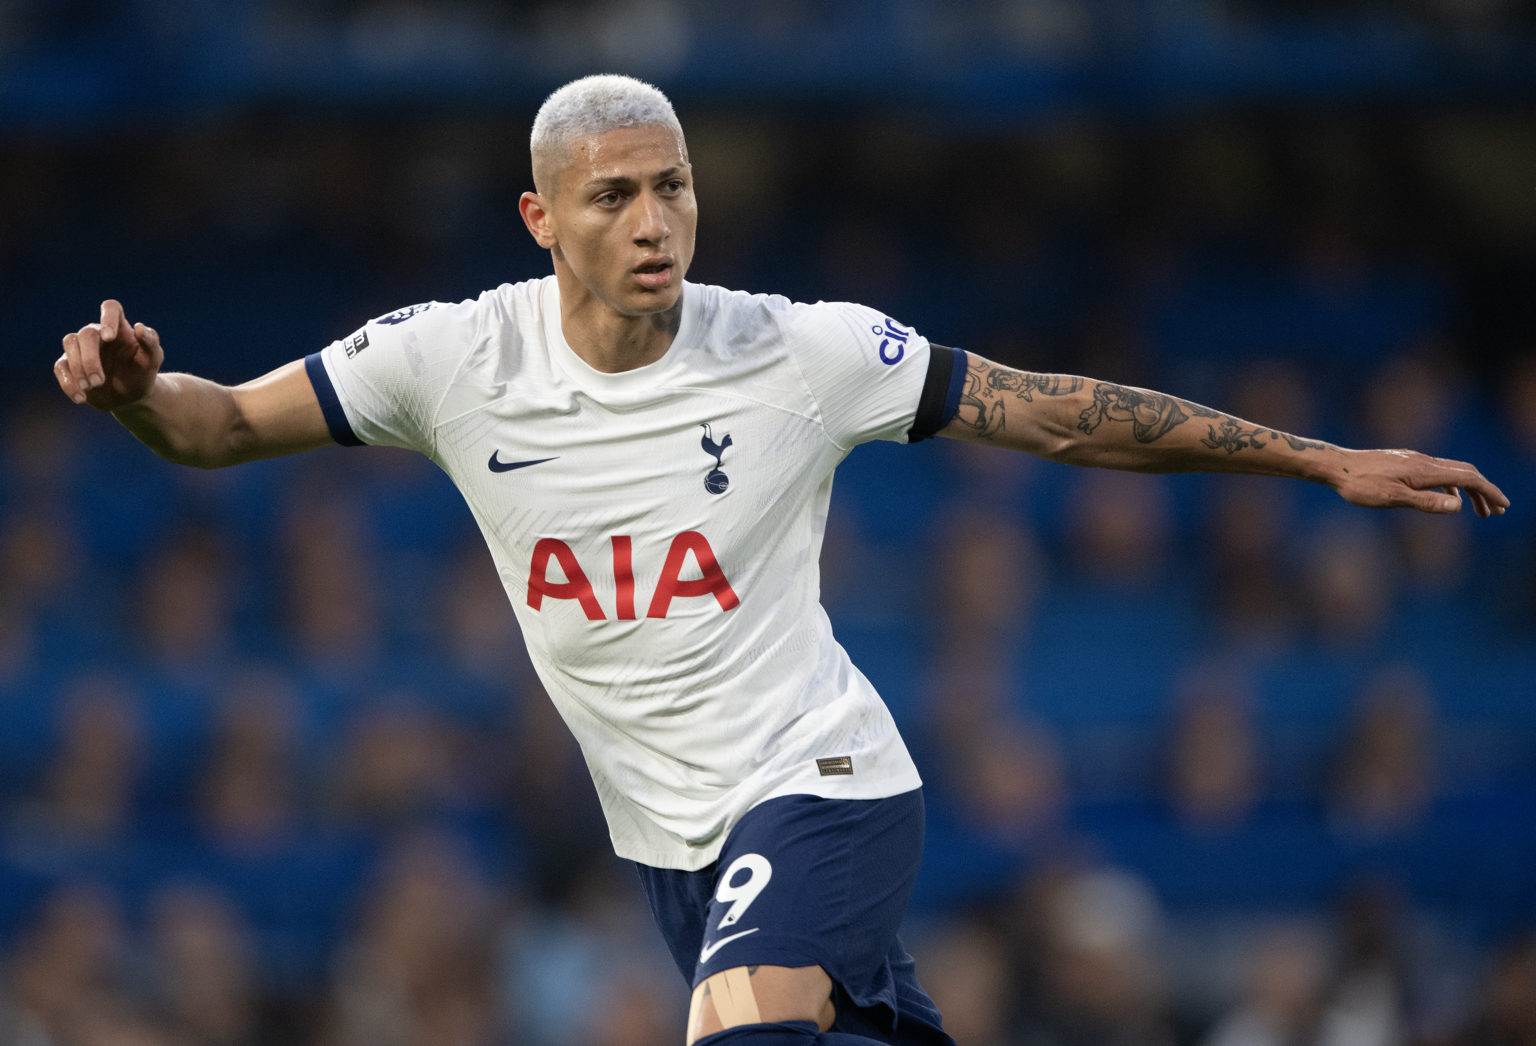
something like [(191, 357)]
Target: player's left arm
[(1082, 421)]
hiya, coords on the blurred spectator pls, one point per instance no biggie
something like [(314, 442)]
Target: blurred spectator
[(1254, 597), (18, 643), (1367, 1002), (398, 764), (478, 627), (551, 802), (332, 610), (1506, 1013), (1278, 394), (417, 971), (1011, 781), (69, 977), (635, 1010), (1120, 530), (865, 258), (966, 970), (985, 582), (485, 673), (998, 794), (40, 555), (1384, 774), (41, 560), (1349, 583), (1111, 344), (1099, 975), (982, 475), (1004, 776), (187, 598), (1519, 402), (203, 983), (1282, 994), (1435, 560), (42, 442), (1516, 574), (89, 788), (249, 790), (1213, 768), (599, 931), (1413, 400)]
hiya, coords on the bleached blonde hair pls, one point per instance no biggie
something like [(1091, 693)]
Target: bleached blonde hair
[(590, 106)]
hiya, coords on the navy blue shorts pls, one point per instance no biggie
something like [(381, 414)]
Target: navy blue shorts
[(807, 881)]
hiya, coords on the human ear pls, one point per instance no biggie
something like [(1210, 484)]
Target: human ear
[(535, 211)]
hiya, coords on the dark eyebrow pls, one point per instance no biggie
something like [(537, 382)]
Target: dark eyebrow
[(616, 181), (619, 181)]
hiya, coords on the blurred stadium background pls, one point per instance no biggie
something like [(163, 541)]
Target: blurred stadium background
[(1210, 760)]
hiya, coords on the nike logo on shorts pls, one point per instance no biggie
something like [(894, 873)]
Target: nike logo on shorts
[(709, 950), (497, 465)]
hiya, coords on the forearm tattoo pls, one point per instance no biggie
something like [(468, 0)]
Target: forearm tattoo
[(1231, 437), (982, 407), (1151, 415), (985, 418), (1023, 384)]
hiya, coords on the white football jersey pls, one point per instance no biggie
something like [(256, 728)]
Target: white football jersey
[(658, 531)]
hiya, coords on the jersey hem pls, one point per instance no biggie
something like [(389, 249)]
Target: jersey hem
[(693, 860)]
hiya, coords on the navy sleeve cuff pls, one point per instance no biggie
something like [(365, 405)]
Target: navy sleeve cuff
[(330, 405), (941, 391)]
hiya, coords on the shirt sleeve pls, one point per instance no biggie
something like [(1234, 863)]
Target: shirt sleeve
[(872, 376), (381, 384)]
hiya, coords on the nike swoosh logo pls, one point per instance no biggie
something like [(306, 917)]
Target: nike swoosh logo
[(710, 949), (497, 465)]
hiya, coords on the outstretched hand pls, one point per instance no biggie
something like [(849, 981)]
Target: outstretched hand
[(1408, 479), (109, 364)]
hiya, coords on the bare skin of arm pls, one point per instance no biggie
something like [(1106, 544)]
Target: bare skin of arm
[(1081, 421), (114, 366)]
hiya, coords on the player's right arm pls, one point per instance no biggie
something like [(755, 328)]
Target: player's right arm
[(114, 366)]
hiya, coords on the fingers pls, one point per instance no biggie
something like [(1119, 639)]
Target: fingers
[(1458, 476), (82, 357), (1435, 501), (1488, 504), (149, 338), (1482, 504), (1450, 501), (66, 379), (1493, 498), (1479, 502), (112, 319), (96, 348), (1486, 500)]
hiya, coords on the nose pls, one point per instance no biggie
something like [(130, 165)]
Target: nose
[(651, 220)]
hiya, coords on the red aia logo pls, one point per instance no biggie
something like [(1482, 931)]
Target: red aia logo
[(577, 587)]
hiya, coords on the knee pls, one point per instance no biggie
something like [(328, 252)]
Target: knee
[(747, 995)]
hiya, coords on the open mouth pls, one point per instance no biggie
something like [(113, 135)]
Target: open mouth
[(654, 274)]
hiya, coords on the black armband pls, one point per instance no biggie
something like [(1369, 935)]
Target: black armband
[(941, 391)]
